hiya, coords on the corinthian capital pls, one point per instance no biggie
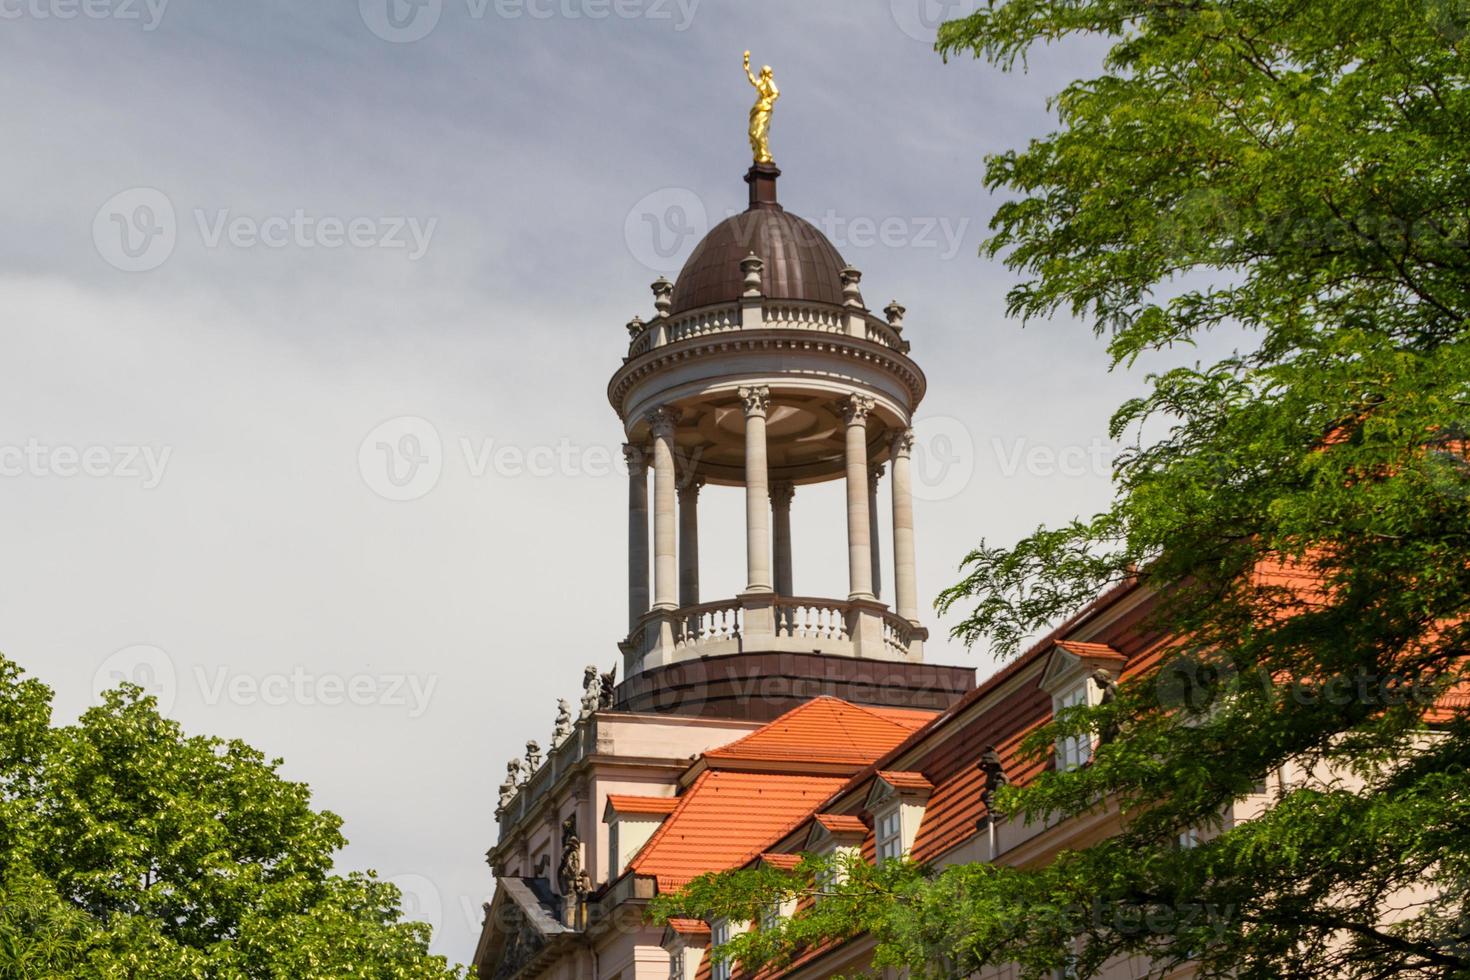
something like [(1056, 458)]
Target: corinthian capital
[(903, 442), (781, 493), (636, 458), (663, 420), (756, 400), (857, 408)]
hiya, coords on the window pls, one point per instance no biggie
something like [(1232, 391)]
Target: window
[(721, 931), (676, 962), (719, 935), (771, 917), (1189, 839), (1073, 750), (889, 834)]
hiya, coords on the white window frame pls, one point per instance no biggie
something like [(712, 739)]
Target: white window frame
[(888, 833), (721, 931), (1074, 751), (676, 962), (719, 935)]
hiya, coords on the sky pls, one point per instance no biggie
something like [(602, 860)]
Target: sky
[(243, 243)]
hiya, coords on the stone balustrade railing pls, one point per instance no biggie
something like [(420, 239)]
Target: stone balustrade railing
[(767, 622), (765, 315)]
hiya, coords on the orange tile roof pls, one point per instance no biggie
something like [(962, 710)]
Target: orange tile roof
[(1092, 651), (841, 823), (725, 819), (783, 861), (689, 927), (642, 804), (910, 781), (825, 730), (911, 718)]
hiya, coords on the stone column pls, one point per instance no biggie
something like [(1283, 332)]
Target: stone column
[(637, 533), (781, 493), (757, 491), (875, 473), (689, 488), (905, 588), (665, 573), (855, 413)]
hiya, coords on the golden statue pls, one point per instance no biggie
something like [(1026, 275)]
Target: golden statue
[(760, 113)]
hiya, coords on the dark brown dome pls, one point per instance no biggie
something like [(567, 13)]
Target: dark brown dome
[(800, 263)]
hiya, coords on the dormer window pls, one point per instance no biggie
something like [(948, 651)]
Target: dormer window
[(1073, 750), (839, 837), (685, 940), (890, 834), (1071, 677), (631, 823), (897, 803), (721, 932)]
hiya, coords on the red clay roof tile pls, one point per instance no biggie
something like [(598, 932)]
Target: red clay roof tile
[(642, 804)]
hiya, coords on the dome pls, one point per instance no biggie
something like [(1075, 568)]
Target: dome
[(800, 263)]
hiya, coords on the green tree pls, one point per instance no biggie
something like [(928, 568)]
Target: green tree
[(1297, 171), (129, 849)]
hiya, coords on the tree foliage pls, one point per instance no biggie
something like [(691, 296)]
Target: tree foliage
[(1298, 171), (129, 849)]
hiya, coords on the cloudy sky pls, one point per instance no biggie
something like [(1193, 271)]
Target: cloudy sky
[(241, 237)]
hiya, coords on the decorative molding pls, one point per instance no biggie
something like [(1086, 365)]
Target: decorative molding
[(768, 341)]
